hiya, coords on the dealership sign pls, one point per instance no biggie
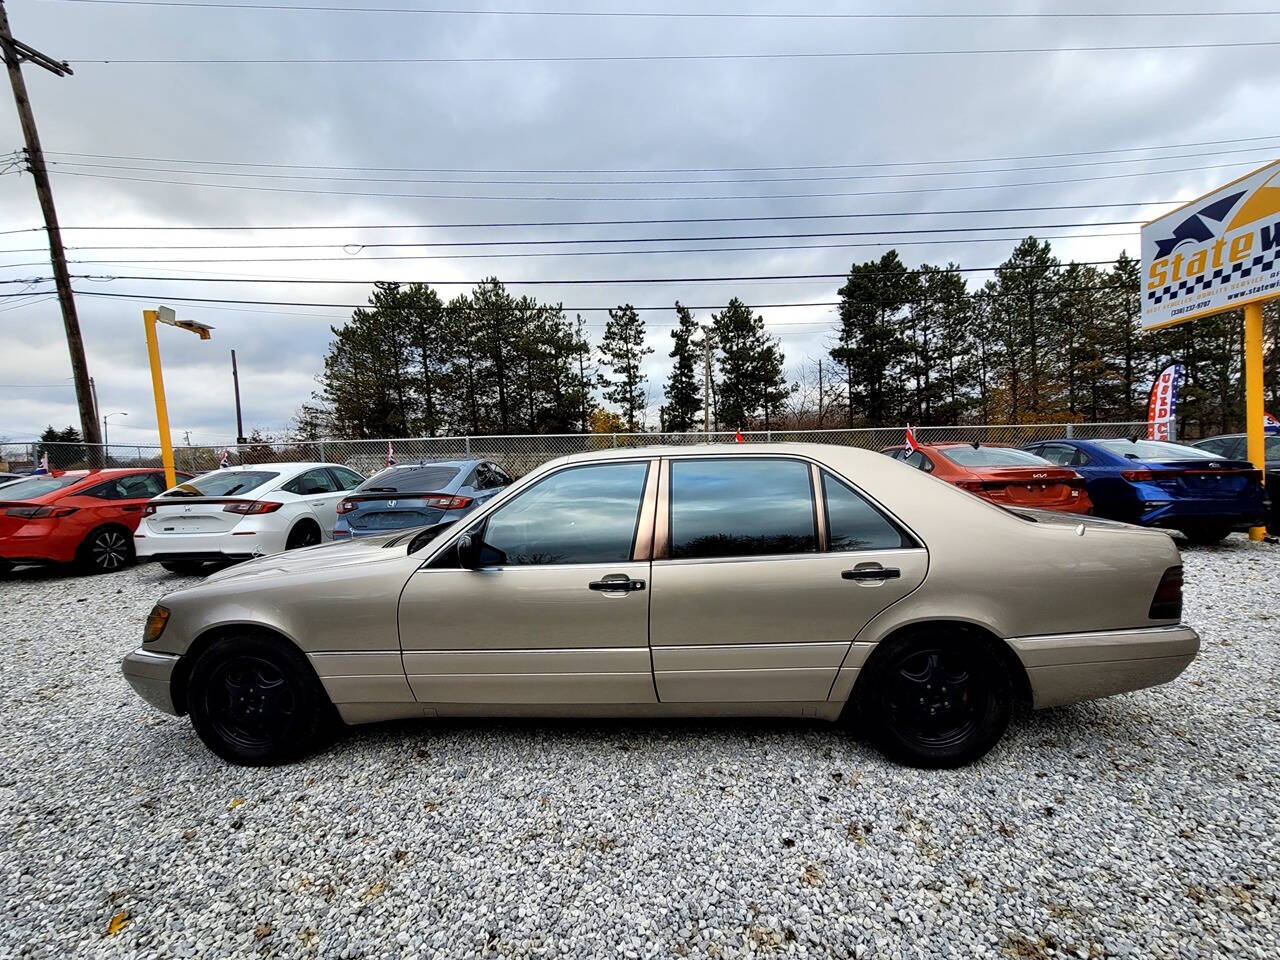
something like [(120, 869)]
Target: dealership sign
[(1214, 254)]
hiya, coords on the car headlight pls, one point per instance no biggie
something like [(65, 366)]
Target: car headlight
[(156, 622)]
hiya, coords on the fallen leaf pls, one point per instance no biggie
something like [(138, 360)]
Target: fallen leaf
[(262, 931), (118, 923), (188, 835), (812, 875), (375, 891), (235, 803)]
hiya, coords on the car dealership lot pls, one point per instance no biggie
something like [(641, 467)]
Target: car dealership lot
[(1143, 825)]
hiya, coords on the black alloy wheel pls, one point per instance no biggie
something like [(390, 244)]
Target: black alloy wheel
[(936, 700), (107, 550), (303, 535), (255, 700)]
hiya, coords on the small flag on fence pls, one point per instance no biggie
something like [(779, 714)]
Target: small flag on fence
[(738, 437), (225, 462), (1270, 424), (912, 445), (391, 457), (44, 463)]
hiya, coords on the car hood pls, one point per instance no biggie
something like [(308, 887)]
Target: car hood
[(308, 559)]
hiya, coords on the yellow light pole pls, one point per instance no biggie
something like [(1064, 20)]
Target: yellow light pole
[(1253, 396), (149, 320)]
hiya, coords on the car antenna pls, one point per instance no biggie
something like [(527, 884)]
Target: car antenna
[(1133, 438), (975, 444)]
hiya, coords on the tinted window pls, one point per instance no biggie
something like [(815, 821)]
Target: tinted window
[(313, 481), (1152, 450), (580, 515), (741, 508), (1058, 453), (346, 478), (38, 486), (428, 478), (487, 477), (1219, 446), (991, 457), (138, 487), (223, 483), (919, 461), (854, 524), (1272, 448)]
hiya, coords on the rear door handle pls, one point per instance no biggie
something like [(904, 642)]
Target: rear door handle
[(871, 574), (616, 582)]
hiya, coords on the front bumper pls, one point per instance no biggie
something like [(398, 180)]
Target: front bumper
[(151, 676), (1068, 668)]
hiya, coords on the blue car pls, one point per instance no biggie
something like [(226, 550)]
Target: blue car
[(417, 494), (1155, 483)]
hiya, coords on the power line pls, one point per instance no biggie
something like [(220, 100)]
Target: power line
[(815, 178), (562, 242), (660, 199), (648, 221), (674, 57), (767, 169), (682, 15), (575, 253), (579, 281)]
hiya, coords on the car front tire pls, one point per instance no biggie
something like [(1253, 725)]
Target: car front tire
[(936, 699), (255, 701), (106, 550)]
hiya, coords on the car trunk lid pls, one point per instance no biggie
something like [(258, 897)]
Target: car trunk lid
[(1028, 486), (1200, 478), (178, 516)]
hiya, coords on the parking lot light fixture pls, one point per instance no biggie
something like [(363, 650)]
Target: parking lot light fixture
[(167, 316)]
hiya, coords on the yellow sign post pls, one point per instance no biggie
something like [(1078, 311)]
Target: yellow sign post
[(149, 320), (1220, 252)]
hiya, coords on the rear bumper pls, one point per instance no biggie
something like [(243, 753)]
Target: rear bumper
[(1067, 668), (151, 676), (213, 546)]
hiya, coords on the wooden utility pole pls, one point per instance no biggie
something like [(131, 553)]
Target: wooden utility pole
[(15, 52), (706, 380), (235, 378)]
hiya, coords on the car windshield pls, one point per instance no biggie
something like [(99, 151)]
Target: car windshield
[(222, 483), (428, 478), (1153, 450), (37, 486), (992, 457)]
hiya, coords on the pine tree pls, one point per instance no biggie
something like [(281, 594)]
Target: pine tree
[(623, 351), (683, 389), (752, 381), (870, 347)]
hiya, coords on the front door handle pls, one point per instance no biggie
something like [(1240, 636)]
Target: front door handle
[(616, 582), (871, 574)]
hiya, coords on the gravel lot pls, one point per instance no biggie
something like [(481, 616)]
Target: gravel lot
[(1143, 826)]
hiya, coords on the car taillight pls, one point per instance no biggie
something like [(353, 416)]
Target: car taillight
[(254, 508), (973, 485), (346, 506), (149, 510), (40, 513), (1138, 476), (443, 502), (1167, 603)]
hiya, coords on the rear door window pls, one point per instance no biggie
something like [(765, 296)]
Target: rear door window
[(741, 507), (1058, 453), (346, 478), (314, 481), (854, 524), (919, 461)]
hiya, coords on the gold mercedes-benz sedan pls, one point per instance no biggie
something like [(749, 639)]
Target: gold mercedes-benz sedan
[(721, 580)]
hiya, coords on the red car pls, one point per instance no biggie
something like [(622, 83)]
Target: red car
[(85, 517), (1004, 475)]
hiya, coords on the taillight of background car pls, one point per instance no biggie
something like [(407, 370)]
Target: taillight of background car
[(40, 513), (444, 502), (254, 508)]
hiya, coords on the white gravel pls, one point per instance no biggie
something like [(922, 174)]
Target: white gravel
[(1140, 826)]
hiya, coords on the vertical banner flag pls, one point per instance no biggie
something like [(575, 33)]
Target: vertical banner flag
[(1270, 424), (225, 462), (912, 445), (1162, 408), (391, 457)]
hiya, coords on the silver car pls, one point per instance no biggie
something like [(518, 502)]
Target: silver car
[(771, 580)]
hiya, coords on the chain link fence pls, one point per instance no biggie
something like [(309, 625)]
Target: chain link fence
[(521, 453)]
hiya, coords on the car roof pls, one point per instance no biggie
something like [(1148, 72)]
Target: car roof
[(436, 463), (822, 452)]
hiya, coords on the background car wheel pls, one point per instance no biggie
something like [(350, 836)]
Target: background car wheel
[(255, 700), (184, 568), (936, 699), (1207, 534), (304, 534), (106, 549)]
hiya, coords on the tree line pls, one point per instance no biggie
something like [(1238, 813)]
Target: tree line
[(1041, 341)]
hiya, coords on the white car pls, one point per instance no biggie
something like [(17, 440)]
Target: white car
[(242, 512)]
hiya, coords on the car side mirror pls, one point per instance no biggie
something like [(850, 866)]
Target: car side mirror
[(468, 548)]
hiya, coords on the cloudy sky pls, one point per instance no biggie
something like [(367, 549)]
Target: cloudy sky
[(145, 135)]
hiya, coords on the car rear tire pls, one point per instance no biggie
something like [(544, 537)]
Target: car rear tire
[(106, 550), (304, 534), (184, 568), (939, 699), (1208, 534), (255, 701)]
